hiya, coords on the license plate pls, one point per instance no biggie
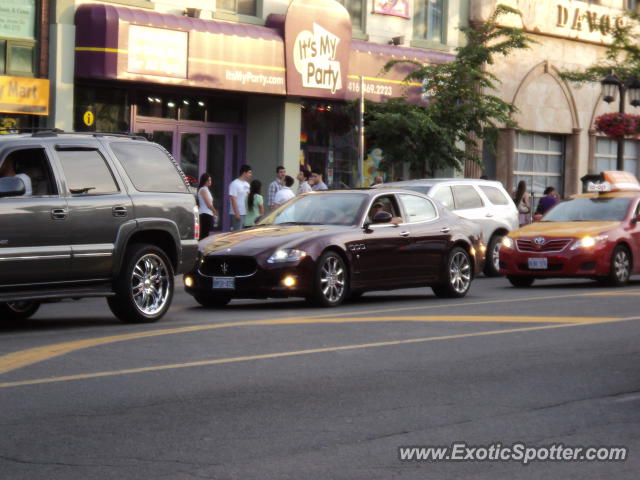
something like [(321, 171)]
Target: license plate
[(538, 264), (224, 283)]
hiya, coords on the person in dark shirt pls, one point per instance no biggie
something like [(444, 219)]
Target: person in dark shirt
[(548, 201)]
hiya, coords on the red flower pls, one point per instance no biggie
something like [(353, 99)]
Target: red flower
[(617, 125)]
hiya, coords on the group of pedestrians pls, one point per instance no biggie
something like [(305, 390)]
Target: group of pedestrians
[(523, 202), (245, 196)]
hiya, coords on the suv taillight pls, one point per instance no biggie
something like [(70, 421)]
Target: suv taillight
[(196, 223)]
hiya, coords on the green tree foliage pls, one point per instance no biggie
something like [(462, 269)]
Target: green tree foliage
[(461, 110), (622, 56)]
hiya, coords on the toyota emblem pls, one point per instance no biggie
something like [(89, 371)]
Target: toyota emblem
[(224, 267), (539, 241)]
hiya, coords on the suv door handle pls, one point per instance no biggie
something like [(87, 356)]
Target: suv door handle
[(445, 229), (59, 213), (119, 211), (405, 234), (489, 214)]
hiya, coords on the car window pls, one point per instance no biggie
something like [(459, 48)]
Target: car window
[(494, 195), (86, 172), (445, 197), (33, 167), (418, 209), (387, 203), (466, 197), (149, 167)]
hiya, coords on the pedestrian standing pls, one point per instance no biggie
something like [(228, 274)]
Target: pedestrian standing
[(238, 191), (255, 204), (547, 202), (275, 186), (285, 193), (303, 180), (523, 204), (208, 213), (317, 183)]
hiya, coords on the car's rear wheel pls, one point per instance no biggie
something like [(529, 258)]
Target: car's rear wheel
[(331, 284), (520, 281), (620, 267), (144, 288), (212, 300), (456, 279), (20, 310), (492, 263)]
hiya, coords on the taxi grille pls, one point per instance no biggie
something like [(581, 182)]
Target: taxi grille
[(552, 245), (228, 266)]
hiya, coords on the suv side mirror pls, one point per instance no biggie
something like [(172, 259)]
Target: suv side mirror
[(11, 187), (382, 217)]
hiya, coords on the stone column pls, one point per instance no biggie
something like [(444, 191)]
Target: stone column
[(572, 163), (506, 157)]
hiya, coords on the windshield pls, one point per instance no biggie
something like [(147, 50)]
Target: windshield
[(318, 209), (589, 210)]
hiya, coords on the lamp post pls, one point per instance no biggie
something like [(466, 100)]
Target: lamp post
[(611, 85)]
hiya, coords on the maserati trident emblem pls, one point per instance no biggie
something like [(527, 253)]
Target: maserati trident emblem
[(224, 267), (539, 241)]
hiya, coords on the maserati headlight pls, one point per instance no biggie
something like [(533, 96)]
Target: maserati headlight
[(286, 255), (507, 242), (589, 241)]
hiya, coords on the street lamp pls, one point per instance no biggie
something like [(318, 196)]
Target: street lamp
[(610, 86)]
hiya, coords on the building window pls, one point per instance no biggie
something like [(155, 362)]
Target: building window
[(607, 154), (429, 20), (240, 7), (632, 4), (539, 162), (354, 7)]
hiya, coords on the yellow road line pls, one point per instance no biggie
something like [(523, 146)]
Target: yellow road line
[(23, 358), (220, 361)]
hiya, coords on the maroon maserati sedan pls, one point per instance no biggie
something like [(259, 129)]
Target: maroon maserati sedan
[(329, 246)]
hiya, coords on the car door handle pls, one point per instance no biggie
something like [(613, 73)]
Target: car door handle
[(489, 214), (119, 211), (405, 234), (59, 213), (445, 229)]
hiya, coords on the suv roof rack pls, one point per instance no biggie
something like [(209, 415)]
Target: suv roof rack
[(54, 132)]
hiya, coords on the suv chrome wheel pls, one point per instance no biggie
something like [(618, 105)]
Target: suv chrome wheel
[(492, 263), (150, 284)]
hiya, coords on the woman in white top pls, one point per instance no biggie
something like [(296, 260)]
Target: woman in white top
[(523, 204), (208, 212)]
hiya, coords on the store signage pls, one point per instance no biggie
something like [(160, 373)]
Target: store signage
[(317, 47), (158, 51), (17, 18), (24, 95), (396, 8), (589, 20)]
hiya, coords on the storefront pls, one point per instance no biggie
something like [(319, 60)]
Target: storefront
[(555, 143), (218, 94)]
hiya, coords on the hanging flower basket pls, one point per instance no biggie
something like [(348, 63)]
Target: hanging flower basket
[(617, 125)]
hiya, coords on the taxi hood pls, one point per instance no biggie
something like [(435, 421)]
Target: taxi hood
[(564, 229)]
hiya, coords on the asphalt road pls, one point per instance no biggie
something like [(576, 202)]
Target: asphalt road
[(278, 390)]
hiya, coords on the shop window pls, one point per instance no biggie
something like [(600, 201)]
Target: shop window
[(539, 162), (17, 58), (240, 7), (110, 107), (355, 9), (607, 154), (429, 20)]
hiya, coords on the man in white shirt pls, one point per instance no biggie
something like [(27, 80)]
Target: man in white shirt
[(8, 169), (238, 191), (303, 180), (275, 186), (285, 193)]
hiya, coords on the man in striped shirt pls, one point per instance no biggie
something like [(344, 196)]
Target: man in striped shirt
[(275, 186)]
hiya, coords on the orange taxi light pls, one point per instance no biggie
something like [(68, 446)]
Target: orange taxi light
[(620, 181)]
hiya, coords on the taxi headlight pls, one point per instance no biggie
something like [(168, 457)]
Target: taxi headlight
[(286, 255), (507, 242), (589, 241)]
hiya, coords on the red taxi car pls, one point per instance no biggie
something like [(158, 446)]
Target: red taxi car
[(592, 235)]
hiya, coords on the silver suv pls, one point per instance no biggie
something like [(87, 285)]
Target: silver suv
[(94, 215), (485, 202)]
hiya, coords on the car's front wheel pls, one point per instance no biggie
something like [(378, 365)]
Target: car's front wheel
[(492, 263), (620, 267), (144, 288), (19, 310), (520, 281), (456, 279), (331, 281)]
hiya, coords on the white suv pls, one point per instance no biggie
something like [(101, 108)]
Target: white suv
[(482, 201)]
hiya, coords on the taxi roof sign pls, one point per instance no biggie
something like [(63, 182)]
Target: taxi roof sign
[(611, 181)]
